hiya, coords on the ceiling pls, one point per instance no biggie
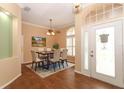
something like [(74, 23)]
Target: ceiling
[(40, 13)]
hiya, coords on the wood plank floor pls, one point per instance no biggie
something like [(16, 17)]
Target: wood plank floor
[(66, 79)]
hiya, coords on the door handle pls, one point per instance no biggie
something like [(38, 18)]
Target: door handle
[(91, 55), (91, 51)]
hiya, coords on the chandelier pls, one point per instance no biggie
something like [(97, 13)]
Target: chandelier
[(50, 31)]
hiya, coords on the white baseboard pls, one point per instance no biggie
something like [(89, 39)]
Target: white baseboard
[(26, 62), (121, 86), (81, 73), (10, 81), (78, 72)]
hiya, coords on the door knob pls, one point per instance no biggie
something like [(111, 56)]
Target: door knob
[(91, 55), (91, 51)]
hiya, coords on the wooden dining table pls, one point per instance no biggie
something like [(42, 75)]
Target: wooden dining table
[(45, 55)]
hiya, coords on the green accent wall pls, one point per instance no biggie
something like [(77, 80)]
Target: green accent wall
[(5, 36)]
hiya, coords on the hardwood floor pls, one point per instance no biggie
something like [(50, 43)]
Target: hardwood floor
[(66, 79)]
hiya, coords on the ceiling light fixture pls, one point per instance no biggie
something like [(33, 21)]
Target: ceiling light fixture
[(77, 7), (50, 32), (27, 9)]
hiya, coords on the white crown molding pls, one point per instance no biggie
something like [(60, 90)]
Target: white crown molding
[(65, 26), (20, 5), (68, 26), (35, 25), (44, 27), (86, 5)]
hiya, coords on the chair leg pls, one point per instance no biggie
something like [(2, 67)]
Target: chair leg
[(62, 63), (66, 62), (54, 66), (39, 64), (59, 65), (43, 66), (48, 65), (35, 66), (32, 65)]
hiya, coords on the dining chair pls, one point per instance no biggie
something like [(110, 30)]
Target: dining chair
[(35, 59), (55, 59), (62, 49), (41, 49), (48, 49), (63, 57), (43, 56)]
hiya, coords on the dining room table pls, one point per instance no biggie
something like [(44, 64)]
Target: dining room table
[(45, 55)]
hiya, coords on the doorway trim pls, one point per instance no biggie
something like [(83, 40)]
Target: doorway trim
[(86, 72)]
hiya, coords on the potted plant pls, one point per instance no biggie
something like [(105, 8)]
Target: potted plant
[(56, 46)]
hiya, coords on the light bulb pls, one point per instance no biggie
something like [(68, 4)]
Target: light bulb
[(53, 33), (48, 33)]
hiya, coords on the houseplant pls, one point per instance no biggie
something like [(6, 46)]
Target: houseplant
[(56, 46)]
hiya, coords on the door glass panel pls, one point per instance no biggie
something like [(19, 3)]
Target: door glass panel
[(86, 51), (105, 51)]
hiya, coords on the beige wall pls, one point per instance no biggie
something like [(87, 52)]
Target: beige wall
[(29, 31), (10, 68), (61, 39)]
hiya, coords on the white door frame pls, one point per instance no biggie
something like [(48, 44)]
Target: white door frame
[(88, 72)]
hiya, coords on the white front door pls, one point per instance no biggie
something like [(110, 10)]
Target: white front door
[(105, 52)]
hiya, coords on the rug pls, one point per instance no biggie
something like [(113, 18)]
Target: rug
[(45, 73)]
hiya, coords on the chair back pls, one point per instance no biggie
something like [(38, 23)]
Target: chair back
[(62, 49), (34, 55), (64, 54), (41, 49), (49, 49), (56, 55)]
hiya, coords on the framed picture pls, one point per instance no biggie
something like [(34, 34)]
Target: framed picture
[(38, 41)]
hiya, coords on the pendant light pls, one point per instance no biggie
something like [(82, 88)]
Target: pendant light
[(50, 32)]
